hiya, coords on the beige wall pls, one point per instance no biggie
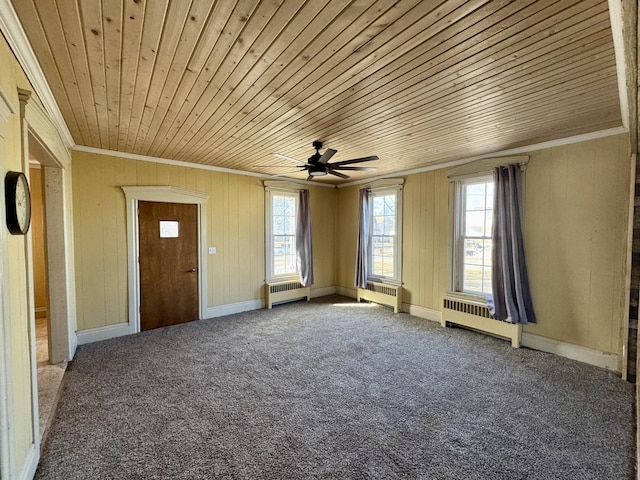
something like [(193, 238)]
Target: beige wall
[(575, 239), (18, 321), (575, 232), (235, 226)]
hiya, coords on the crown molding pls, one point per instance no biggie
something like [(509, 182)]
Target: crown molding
[(179, 163), (513, 151), (17, 39)]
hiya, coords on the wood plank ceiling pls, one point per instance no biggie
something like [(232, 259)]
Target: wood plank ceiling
[(416, 82)]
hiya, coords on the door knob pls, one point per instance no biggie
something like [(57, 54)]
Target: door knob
[(193, 270)]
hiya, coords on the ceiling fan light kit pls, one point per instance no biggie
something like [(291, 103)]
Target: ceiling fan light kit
[(318, 164)]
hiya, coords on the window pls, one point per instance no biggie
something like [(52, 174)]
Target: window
[(280, 228), (472, 237), (385, 230), (383, 234), (282, 239)]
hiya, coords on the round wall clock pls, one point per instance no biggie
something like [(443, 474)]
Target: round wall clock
[(18, 202)]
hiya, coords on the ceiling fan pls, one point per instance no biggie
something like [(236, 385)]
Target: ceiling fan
[(318, 164)]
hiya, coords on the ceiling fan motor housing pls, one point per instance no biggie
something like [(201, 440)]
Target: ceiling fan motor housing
[(318, 170)]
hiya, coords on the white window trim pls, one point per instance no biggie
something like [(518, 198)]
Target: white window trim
[(458, 242), (478, 169), (276, 188), (390, 185)]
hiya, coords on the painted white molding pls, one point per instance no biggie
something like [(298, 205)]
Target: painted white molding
[(616, 16), (6, 403), (485, 166), (284, 185), (385, 184), (322, 291), (231, 308), (568, 350), (179, 163), (13, 32), (103, 333), (422, 312), (161, 193), (45, 140), (30, 464), (512, 151), (24, 97), (171, 195)]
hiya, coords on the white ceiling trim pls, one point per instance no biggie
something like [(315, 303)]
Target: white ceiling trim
[(623, 68), (178, 163), (514, 151), (13, 32)]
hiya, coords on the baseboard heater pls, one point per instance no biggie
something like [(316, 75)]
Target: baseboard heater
[(476, 316), (381, 293), (280, 292)]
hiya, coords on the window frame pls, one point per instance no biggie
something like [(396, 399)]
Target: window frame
[(459, 210), (383, 188), (270, 193), (466, 171)]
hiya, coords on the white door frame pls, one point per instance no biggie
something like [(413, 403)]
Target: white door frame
[(166, 194), (44, 145), (6, 454)]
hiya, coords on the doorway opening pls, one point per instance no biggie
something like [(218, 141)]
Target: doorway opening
[(40, 277), (51, 351)]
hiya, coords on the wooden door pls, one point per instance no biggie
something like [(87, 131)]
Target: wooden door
[(168, 263)]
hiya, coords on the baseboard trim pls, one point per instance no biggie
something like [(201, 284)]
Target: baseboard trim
[(103, 333), (568, 350), (231, 308), (422, 312), (30, 463), (322, 291), (347, 292)]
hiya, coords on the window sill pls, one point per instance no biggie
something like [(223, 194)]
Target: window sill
[(283, 278), (386, 281), (468, 297)]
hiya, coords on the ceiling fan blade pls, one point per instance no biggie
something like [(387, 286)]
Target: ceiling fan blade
[(356, 160), (285, 174), (291, 159), (360, 169), (338, 174), (328, 153)]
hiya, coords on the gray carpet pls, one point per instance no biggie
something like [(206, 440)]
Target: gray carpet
[(329, 389)]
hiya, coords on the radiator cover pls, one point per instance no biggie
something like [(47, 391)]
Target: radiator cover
[(279, 292), (476, 316), (381, 293)]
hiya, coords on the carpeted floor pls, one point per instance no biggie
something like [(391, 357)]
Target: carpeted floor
[(332, 389)]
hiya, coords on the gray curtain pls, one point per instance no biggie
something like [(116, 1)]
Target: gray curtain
[(363, 249), (304, 252), (510, 283)]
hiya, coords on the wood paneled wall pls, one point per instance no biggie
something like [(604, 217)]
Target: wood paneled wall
[(235, 226), (576, 211), (575, 234), (425, 233), (576, 221), (19, 388)]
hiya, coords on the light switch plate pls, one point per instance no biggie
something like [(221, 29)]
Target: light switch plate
[(212, 250)]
